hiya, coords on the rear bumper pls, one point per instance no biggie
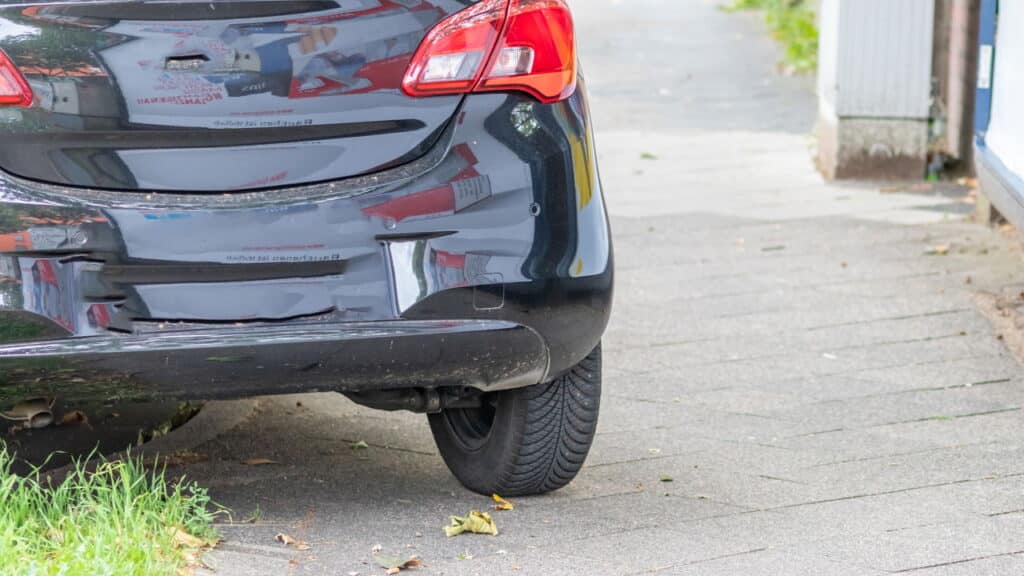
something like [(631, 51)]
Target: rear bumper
[(487, 263), (240, 362)]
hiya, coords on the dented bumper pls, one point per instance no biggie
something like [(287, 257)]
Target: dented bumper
[(485, 263)]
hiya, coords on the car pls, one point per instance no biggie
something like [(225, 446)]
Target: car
[(396, 200)]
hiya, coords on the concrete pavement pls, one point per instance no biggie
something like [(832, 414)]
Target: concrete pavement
[(805, 362)]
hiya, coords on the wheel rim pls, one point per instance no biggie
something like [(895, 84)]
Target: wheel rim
[(471, 427)]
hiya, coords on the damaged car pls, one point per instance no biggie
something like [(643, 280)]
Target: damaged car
[(396, 200)]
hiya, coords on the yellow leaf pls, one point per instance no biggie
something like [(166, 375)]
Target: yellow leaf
[(475, 522), (183, 539), (502, 504)]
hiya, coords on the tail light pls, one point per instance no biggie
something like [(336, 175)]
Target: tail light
[(499, 45), (14, 90)]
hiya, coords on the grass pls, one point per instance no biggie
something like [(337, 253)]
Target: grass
[(794, 24), (104, 519)]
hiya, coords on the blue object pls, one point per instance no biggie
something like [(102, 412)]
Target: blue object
[(986, 68)]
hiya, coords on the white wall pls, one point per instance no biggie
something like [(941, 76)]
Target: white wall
[(875, 58), (1006, 130)]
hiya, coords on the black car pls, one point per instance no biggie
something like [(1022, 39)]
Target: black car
[(397, 200)]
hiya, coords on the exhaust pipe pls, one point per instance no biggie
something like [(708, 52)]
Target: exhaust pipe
[(33, 413)]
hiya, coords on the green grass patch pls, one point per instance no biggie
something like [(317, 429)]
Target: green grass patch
[(794, 24), (103, 519)]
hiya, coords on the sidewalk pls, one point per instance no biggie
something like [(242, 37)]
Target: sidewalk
[(805, 362)]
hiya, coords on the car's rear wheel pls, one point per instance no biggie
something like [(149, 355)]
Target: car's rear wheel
[(526, 441)]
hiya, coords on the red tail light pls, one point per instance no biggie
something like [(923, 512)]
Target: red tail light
[(499, 45), (14, 90)]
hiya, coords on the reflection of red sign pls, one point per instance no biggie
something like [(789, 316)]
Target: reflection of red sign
[(466, 188), (383, 74), (449, 260), (46, 273), (99, 316), (453, 270), (15, 241)]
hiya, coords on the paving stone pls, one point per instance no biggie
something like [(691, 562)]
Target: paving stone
[(651, 549), (915, 548), (772, 563)]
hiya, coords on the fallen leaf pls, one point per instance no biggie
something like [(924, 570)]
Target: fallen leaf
[(396, 565), (183, 539), (292, 542), (76, 417), (259, 462), (33, 413), (666, 478), (361, 445), (502, 504), (940, 250), (648, 156), (475, 522)]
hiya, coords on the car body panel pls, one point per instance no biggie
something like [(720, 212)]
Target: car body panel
[(486, 263), (215, 96)]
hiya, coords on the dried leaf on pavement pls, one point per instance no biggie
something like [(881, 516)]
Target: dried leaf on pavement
[(75, 417), (502, 504), (475, 522), (396, 565), (291, 542), (259, 462), (361, 445), (940, 250), (666, 478), (187, 541)]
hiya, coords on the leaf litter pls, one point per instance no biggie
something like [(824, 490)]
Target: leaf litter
[(501, 504), (473, 523), (395, 565), (292, 542)]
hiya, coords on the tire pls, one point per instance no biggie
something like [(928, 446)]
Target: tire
[(527, 441)]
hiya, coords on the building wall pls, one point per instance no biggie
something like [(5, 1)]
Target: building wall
[(875, 85), (885, 58)]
